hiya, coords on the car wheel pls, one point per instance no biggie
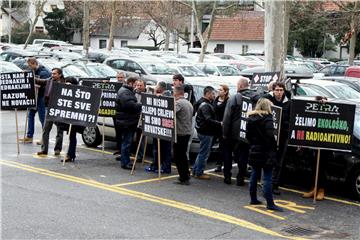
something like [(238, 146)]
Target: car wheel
[(92, 137), (355, 183)]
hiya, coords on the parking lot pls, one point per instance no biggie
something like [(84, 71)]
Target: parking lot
[(94, 198)]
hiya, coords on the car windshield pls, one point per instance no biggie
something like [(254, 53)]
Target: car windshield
[(228, 71), (343, 92), (191, 71), (73, 71), (102, 70), (157, 68)]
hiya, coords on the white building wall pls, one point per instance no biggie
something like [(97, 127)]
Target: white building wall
[(235, 47)]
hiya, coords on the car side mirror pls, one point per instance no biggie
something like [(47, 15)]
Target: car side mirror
[(138, 72)]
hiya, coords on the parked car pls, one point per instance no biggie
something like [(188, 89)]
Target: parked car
[(331, 70), (220, 71), (350, 81), (353, 71), (151, 69), (291, 71), (6, 67)]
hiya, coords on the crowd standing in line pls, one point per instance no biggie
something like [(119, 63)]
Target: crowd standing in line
[(213, 117)]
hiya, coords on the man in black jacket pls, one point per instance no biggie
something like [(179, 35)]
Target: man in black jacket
[(278, 98), (206, 126), (127, 117), (233, 143)]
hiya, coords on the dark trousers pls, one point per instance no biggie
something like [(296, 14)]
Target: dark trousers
[(180, 157), (165, 155), (280, 156), (118, 133), (220, 159), (72, 144), (239, 151)]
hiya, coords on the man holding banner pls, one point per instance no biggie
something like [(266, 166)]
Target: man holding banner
[(279, 98), (56, 76), (41, 77), (127, 117)]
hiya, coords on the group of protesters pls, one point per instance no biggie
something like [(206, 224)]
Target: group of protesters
[(216, 116)]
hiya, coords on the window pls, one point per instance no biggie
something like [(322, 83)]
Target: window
[(245, 49), (102, 43), (133, 66), (118, 64), (340, 71), (124, 43), (219, 48)]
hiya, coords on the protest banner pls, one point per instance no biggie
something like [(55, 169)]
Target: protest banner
[(77, 105), (247, 106), (158, 117), (263, 79), (321, 125), (318, 125), (277, 114), (17, 90), (108, 97)]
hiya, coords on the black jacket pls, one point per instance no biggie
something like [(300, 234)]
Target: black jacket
[(206, 122), (127, 108), (232, 115), (285, 104), (262, 144), (219, 108)]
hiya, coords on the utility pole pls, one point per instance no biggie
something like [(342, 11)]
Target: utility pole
[(275, 50)]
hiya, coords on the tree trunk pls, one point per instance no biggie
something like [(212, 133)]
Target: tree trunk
[(274, 35), (354, 30), (285, 38), (167, 39), (205, 41), (112, 26), (86, 30), (39, 6)]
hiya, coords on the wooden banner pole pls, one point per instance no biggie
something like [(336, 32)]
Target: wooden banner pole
[(159, 160), (17, 131), (316, 175), (145, 145), (103, 135), (26, 124), (68, 144), (136, 154)]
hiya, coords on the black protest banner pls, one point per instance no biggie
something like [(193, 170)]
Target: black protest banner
[(263, 79), (246, 106), (76, 105), (108, 97), (17, 90), (276, 113), (318, 125), (158, 117)]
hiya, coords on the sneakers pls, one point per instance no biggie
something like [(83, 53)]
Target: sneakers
[(203, 177), (57, 152), (27, 140), (42, 153)]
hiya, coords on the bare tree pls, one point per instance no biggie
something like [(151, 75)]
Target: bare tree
[(86, 27), (154, 36), (112, 26), (39, 8)]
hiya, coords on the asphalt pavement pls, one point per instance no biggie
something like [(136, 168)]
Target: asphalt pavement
[(93, 198)]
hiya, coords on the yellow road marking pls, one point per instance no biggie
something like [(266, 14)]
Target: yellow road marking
[(292, 206), (162, 201), (256, 208), (144, 181)]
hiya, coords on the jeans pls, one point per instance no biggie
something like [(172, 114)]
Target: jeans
[(180, 157), (72, 145), (267, 184), (46, 134), (203, 155), (127, 137), (41, 112), (165, 155)]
